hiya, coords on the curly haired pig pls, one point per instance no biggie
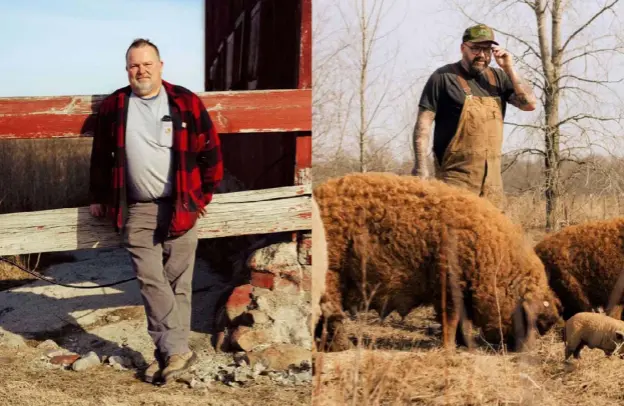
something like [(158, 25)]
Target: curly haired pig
[(583, 263), (418, 242), (593, 330)]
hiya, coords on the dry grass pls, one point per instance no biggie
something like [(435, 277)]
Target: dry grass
[(44, 174), (372, 374), (529, 209), (9, 272), (11, 276)]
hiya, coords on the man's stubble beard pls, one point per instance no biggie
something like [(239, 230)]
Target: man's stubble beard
[(143, 88)]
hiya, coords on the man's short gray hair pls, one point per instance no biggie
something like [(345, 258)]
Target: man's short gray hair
[(141, 42)]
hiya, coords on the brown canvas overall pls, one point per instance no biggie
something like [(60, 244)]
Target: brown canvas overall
[(473, 157)]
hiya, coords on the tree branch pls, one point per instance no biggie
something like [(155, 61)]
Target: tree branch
[(540, 16), (530, 151), (584, 26), (578, 89), (592, 52), (531, 126), (574, 160), (586, 80), (580, 117)]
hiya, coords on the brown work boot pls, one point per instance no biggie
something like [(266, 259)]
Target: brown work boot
[(153, 373), (178, 364)]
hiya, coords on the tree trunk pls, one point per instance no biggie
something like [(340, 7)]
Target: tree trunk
[(551, 167), (363, 68), (551, 63)]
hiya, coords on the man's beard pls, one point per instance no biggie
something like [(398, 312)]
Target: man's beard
[(142, 87), (476, 69)]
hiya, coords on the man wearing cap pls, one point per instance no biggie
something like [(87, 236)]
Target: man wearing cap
[(467, 101)]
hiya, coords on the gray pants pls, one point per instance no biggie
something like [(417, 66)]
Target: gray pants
[(164, 269)]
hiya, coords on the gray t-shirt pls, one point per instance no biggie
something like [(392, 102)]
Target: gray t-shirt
[(149, 142)]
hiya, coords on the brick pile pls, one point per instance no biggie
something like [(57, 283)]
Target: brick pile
[(274, 307)]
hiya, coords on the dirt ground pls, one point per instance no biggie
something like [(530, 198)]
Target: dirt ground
[(403, 363), (28, 378), (26, 381)]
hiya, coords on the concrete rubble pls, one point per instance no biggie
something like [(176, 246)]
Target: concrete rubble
[(11, 340), (284, 365), (85, 362), (274, 307)]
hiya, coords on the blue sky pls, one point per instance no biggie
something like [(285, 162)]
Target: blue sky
[(77, 47)]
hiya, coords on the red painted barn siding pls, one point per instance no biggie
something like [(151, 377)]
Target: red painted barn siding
[(231, 28), (255, 45), (232, 112)]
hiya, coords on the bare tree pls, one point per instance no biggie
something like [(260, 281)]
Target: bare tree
[(365, 51), (567, 55), (331, 98), (369, 72), (356, 91)]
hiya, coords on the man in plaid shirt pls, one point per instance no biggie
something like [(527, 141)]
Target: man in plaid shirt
[(155, 163)]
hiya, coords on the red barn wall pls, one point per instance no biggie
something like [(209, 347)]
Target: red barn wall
[(254, 45)]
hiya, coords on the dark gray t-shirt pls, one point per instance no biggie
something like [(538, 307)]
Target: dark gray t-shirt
[(444, 96)]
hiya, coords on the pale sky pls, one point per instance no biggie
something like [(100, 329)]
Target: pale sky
[(77, 47), (427, 34)]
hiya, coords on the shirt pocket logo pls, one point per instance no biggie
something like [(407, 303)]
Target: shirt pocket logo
[(166, 133)]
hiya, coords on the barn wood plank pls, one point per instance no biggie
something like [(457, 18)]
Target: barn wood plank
[(232, 112), (229, 214), (305, 46)]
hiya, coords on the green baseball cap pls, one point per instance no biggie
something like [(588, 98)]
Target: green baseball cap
[(479, 33)]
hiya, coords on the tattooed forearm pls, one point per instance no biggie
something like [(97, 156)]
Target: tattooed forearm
[(523, 96), (422, 131)]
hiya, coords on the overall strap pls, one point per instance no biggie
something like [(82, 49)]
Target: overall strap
[(461, 80), (490, 75)]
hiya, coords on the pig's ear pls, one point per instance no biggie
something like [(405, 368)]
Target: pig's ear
[(523, 324)]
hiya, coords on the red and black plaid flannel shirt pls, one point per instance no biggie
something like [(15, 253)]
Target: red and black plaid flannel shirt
[(197, 157)]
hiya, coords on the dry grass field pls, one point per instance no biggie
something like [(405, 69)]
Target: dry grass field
[(41, 174), (402, 363)]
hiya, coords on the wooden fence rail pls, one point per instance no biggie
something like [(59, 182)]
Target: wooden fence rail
[(230, 214)]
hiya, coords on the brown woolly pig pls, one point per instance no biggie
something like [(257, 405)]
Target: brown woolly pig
[(410, 238), (583, 263), (593, 330)]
